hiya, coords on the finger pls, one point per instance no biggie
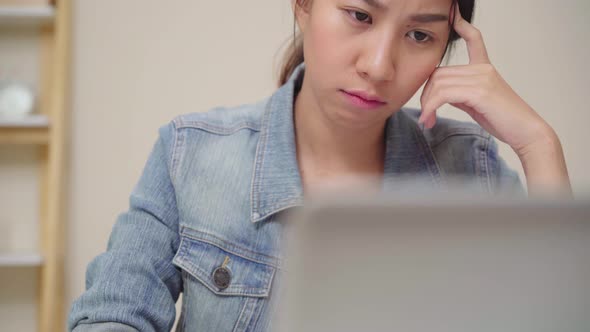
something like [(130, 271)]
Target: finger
[(428, 119), (433, 86), (473, 38), (452, 74), (455, 94), (431, 121), (458, 70)]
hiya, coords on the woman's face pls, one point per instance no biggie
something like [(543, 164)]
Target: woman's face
[(385, 48)]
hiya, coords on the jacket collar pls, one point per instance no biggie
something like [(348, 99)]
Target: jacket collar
[(276, 181)]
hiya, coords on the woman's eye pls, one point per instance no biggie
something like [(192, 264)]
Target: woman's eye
[(419, 36), (360, 16)]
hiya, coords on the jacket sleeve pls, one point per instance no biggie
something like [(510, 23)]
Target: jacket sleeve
[(133, 285), (501, 178)]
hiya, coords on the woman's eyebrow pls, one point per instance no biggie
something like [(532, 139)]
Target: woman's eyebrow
[(375, 3), (418, 18), (429, 18)]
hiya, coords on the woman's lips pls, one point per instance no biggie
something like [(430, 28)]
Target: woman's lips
[(362, 100)]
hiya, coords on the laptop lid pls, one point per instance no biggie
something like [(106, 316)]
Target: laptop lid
[(439, 265)]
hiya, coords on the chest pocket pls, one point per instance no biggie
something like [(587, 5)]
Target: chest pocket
[(223, 291)]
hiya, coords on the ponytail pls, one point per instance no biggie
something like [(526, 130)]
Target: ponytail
[(293, 57)]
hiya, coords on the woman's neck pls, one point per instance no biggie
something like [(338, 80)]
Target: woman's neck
[(333, 146)]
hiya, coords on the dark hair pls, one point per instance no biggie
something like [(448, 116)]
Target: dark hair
[(294, 53)]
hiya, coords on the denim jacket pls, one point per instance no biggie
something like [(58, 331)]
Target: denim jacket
[(211, 196)]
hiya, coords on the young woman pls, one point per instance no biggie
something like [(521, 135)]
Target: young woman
[(205, 218)]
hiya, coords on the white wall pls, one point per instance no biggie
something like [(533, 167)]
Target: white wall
[(138, 63)]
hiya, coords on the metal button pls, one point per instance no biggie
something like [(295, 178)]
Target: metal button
[(221, 277)]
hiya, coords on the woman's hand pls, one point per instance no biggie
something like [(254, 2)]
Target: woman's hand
[(480, 91)]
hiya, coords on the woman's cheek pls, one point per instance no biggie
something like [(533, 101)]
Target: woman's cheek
[(411, 73), (421, 70), (327, 41)]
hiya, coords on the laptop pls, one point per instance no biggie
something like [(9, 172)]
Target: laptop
[(446, 264)]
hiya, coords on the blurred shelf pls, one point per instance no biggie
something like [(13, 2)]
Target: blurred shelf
[(20, 260), (31, 121), (24, 136), (33, 129), (26, 15), (53, 20)]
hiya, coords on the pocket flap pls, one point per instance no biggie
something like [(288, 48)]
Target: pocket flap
[(200, 259)]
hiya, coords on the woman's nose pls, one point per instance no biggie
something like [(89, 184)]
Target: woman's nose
[(377, 60)]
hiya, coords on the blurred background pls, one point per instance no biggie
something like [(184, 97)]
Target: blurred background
[(104, 75)]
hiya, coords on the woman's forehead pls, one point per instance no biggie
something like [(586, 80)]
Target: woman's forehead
[(406, 4)]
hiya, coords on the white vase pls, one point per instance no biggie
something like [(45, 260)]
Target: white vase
[(16, 100)]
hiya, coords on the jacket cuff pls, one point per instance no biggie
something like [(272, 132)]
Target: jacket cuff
[(104, 327)]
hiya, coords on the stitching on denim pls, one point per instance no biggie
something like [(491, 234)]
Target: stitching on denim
[(424, 145), (486, 163), (458, 133), (184, 261), (180, 253), (218, 130), (280, 206), (260, 152), (244, 318), (231, 251), (92, 325), (480, 162), (184, 307), (174, 158), (225, 242), (246, 291), (257, 313), (169, 274), (240, 322), (235, 286), (270, 278)]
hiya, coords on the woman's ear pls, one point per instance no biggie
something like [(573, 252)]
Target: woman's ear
[(301, 12)]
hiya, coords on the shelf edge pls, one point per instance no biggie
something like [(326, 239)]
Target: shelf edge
[(20, 260)]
